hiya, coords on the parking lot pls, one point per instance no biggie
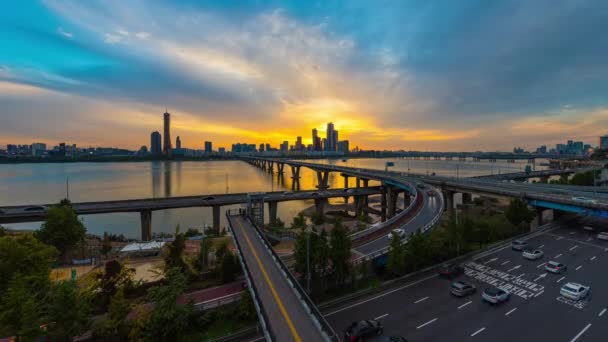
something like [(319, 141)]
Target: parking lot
[(424, 310)]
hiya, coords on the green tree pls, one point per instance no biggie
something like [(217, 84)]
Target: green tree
[(28, 257), (339, 253), (221, 250), (205, 248), (321, 256), (170, 320), (192, 232), (584, 178), (115, 326), (106, 244), (2, 231), (396, 256), (174, 257), (62, 228), (20, 312), (246, 307), (68, 313), (299, 221), (518, 213), (116, 276), (228, 267), (416, 252)]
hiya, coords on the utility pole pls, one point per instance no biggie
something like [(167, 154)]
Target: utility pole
[(67, 188)]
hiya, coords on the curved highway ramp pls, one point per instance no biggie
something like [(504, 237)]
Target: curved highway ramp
[(285, 311)]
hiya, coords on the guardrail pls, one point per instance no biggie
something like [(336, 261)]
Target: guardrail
[(311, 308), (216, 302), (262, 315)]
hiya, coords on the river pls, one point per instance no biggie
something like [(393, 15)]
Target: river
[(46, 183)]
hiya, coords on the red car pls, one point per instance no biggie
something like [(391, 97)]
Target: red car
[(450, 271)]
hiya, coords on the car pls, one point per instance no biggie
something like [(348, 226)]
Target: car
[(462, 289), (555, 267), (450, 271), (431, 193), (532, 254), (602, 235), (574, 291), (400, 233), (34, 208), (584, 200), (588, 228), (518, 245), (361, 329), (396, 339), (495, 295), (208, 198)]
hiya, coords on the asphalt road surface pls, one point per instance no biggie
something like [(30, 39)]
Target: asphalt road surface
[(424, 310)]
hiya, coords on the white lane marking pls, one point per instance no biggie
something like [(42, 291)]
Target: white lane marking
[(514, 268), (560, 279), (478, 331), (581, 332), (601, 313), (578, 268), (521, 275), (490, 261), (559, 238), (510, 311), (465, 304), (538, 294), (541, 246), (427, 323), (557, 256), (572, 233), (540, 276), (592, 258), (541, 265), (421, 300), (589, 239), (382, 295), (381, 316), (504, 263), (573, 247)]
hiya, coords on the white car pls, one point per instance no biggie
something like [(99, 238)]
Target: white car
[(602, 235), (532, 254), (555, 267), (399, 232), (584, 200), (574, 291)]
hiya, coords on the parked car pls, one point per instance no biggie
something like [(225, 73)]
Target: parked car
[(555, 267), (462, 289), (532, 254), (361, 329), (450, 271), (400, 233), (574, 291), (494, 295), (518, 245), (602, 235)]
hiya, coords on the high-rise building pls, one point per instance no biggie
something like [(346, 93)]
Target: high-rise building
[(167, 133), (324, 145), (335, 141), (261, 147), (604, 142), (208, 147), (155, 143), (316, 141), (299, 147), (285, 146), (330, 144), (267, 147), (343, 146), (38, 149), (178, 143)]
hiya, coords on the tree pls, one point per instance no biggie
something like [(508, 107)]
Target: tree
[(221, 250), (192, 232), (20, 312), (339, 252), (416, 252), (62, 228), (518, 213), (170, 320), (299, 221), (396, 256), (115, 326), (174, 257), (106, 245), (205, 248), (321, 256), (67, 312), (117, 276), (246, 307), (584, 178), (228, 267), (28, 257), (2, 231)]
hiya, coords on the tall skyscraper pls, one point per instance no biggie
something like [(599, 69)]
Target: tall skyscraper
[(155, 143), (299, 146), (343, 146), (208, 147), (285, 146), (316, 142), (335, 141), (261, 147), (167, 133), (178, 142), (330, 145)]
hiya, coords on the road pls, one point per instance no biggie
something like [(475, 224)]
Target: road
[(423, 310)]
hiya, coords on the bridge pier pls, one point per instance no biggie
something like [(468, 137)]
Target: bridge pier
[(383, 204), (392, 195), (448, 197), (272, 211), (345, 185), (216, 218), (280, 167), (295, 172), (320, 206), (146, 224), (271, 167), (322, 177)]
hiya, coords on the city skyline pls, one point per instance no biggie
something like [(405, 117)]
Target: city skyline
[(451, 79)]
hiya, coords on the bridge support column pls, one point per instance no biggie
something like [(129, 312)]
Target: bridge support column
[(392, 195), (383, 204), (280, 167), (320, 206), (295, 172), (345, 186), (448, 197), (146, 225), (271, 167), (216, 218), (322, 177), (272, 211)]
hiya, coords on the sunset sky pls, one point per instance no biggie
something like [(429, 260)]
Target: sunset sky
[(415, 75)]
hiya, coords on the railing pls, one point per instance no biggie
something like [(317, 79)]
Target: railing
[(263, 316), (314, 313), (216, 302)]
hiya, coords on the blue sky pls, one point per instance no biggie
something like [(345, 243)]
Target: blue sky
[(426, 75)]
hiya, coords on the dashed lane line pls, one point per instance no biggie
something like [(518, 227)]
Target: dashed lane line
[(504, 263), (490, 261), (601, 313), (510, 311), (381, 316), (578, 268), (557, 256), (573, 247), (581, 333), (478, 331), (465, 304), (541, 246), (541, 265), (538, 294), (421, 300), (427, 323), (593, 258), (560, 279)]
